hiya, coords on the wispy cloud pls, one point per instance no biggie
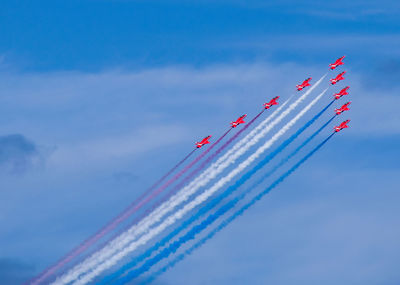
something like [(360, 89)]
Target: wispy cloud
[(111, 149), (13, 272), (18, 154), (357, 44)]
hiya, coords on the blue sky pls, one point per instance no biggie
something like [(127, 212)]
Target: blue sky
[(92, 91)]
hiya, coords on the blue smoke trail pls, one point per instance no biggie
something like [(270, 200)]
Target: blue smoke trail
[(286, 159), (173, 247), (227, 221), (212, 203)]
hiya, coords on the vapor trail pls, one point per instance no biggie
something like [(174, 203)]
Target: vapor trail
[(173, 247), (205, 195)]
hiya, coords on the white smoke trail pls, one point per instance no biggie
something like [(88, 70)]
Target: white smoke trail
[(205, 195)]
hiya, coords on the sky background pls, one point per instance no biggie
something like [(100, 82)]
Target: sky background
[(99, 98)]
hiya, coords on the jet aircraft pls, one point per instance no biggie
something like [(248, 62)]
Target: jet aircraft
[(203, 142), (338, 62), (343, 125), (304, 84), (342, 93), (271, 103), (345, 107), (238, 121), (338, 78)]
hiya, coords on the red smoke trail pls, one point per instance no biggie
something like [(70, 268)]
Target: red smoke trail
[(189, 177), (207, 161), (167, 174)]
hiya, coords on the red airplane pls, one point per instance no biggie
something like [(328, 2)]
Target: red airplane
[(338, 62), (271, 103), (342, 92), (338, 78), (203, 142), (238, 121), (343, 125), (304, 84), (345, 107)]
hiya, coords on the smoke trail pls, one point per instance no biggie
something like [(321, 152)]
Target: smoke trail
[(217, 199), (116, 244), (286, 159), (186, 179), (173, 247), (180, 197), (103, 231), (202, 197), (172, 170), (177, 187), (72, 275)]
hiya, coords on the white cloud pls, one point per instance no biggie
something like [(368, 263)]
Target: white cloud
[(109, 150)]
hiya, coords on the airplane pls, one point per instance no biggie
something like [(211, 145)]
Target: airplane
[(203, 142), (271, 103), (338, 78), (345, 107), (343, 125), (338, 62), (342, 92), (304, 84), (238, 121)]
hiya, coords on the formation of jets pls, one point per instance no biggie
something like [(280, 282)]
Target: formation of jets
[(300, 87), (345, 107)]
